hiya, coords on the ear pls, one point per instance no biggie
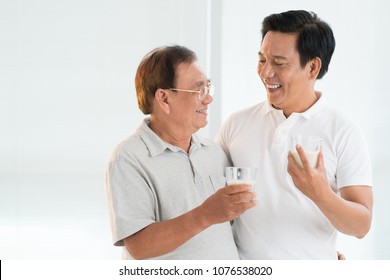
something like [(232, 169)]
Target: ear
[(161, 100), (315, 67)]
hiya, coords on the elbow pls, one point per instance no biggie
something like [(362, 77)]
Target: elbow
[(134, 250), (136, 256), (134, 253), (363, 231), (360, 236), (365, 227)]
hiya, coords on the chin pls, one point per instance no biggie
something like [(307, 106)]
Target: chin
[(276, 106), (273, 103), (201, 126)]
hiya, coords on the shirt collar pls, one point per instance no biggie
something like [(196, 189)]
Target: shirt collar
[(308, 114), (268, 108), (315, 108), (156, 145)]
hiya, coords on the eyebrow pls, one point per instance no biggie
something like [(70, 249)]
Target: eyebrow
[(274, 56), (201, 83)]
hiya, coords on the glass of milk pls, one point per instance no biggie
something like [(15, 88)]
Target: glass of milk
[(310, 144), (241, 175)]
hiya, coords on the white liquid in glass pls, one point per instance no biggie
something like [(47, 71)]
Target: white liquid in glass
[(311, 157), (239, 182)]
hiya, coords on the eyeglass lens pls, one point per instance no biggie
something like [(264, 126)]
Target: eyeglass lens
[(206, 90)]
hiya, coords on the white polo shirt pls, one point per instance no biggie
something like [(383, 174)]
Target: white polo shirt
[(286, 224), (149, 181)]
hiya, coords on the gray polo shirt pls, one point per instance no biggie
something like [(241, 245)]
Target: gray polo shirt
[(149, 181)]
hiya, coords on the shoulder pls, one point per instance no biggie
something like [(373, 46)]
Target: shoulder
[(129, 148), (248, 111), (345, 133), (209, 145), (243, 117), (338, 120), (208, 148)]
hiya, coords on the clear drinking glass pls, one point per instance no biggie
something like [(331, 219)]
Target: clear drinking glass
[(241, 175), (311, 146)]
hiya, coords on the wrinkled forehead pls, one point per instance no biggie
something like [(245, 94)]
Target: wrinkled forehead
[(279, 44), (190, 74)]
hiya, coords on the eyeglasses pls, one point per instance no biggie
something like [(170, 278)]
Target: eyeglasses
[(204, 91)]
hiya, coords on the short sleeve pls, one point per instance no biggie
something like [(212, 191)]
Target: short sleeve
[(354, 163), (222, 139), (130, 198)]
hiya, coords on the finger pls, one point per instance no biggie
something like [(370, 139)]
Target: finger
[(340, 256), (244, 206), (320, 160), (292, 166), (242, 197), (291, 160), (305, 161), (237, 188)]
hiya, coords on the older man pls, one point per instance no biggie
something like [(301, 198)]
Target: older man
[(165, 184)]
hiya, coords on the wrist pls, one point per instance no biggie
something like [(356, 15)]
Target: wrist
[(200, 218), (325, 197)]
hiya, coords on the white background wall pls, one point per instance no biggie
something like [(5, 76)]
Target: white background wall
[(67, 98)]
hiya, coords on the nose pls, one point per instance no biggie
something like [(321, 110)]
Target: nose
[(265, 71), (209, 99)]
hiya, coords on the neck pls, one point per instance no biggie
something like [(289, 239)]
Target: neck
[(303, 105), (170, 135)]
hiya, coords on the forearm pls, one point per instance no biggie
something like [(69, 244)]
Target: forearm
[(163, 237), (348, 217)]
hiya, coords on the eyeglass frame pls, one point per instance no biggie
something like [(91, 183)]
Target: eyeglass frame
[(208, 90)]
